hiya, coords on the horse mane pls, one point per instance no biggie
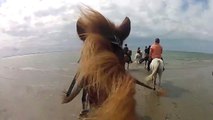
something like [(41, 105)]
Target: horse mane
[(94, 22), (101, 69)]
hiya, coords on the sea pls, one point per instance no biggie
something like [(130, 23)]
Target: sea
[(65, 59)]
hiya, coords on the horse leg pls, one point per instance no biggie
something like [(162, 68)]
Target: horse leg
[(154, 84), (154, 80), (159, 75)]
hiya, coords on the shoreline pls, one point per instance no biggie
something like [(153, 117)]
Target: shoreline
[(38, 53), (77, 50)]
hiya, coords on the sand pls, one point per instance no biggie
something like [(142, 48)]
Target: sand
[(27, 93)]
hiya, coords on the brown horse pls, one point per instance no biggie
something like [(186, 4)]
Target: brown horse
[(101, 69), (101, 72)]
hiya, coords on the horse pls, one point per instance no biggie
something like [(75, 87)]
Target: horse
[(127, 58), (138, 57), (156, 67), (101, 71), (145, 59)]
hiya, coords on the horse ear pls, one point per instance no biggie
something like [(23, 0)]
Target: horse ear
[(124, 29), (80, 30)]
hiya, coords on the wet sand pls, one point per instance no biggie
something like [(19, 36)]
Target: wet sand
[(189, 95), (27, 93)]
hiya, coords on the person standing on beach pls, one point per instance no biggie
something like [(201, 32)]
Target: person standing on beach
[(156, 51)]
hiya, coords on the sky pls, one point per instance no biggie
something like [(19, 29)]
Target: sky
[(29, 26)]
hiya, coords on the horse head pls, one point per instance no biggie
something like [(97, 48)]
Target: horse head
[(92, 22), (98, 34)]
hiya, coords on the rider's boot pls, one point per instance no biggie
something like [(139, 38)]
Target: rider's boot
[(85, 110)]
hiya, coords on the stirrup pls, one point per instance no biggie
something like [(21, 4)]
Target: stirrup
[(83, 114)]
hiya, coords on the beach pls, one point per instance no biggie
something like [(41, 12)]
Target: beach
[(31, 87)]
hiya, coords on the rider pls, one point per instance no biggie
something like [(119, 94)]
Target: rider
[(139, 51), (126, 49), (127, 52), (146, 55), (156, 51)]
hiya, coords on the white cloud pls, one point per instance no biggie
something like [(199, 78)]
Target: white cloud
[(52, 22)]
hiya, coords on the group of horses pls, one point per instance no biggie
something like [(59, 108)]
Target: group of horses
[(139, 59), (108, 88)]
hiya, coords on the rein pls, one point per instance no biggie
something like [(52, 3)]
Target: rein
[(136, 81), (143, 84)]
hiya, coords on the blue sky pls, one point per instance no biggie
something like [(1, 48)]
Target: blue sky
[(186, 4), (49, 25)]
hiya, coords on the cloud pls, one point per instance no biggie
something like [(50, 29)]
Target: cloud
[(164, 18), (50, 24), (49, 27)]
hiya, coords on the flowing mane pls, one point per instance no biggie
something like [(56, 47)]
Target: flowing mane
[(101, 67)]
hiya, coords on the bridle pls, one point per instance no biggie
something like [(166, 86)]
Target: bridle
[(116, 41), (117, 49)]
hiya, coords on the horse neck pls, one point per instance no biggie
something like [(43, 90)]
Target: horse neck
[(103, 71), (121, 100), (99, 64)]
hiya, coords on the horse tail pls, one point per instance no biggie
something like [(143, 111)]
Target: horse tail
[(120, 105), (154, 71)]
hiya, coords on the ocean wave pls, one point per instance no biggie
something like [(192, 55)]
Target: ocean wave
[(43, 69)]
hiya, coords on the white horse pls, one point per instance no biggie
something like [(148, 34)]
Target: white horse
[(157, 68), (138, 57)]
